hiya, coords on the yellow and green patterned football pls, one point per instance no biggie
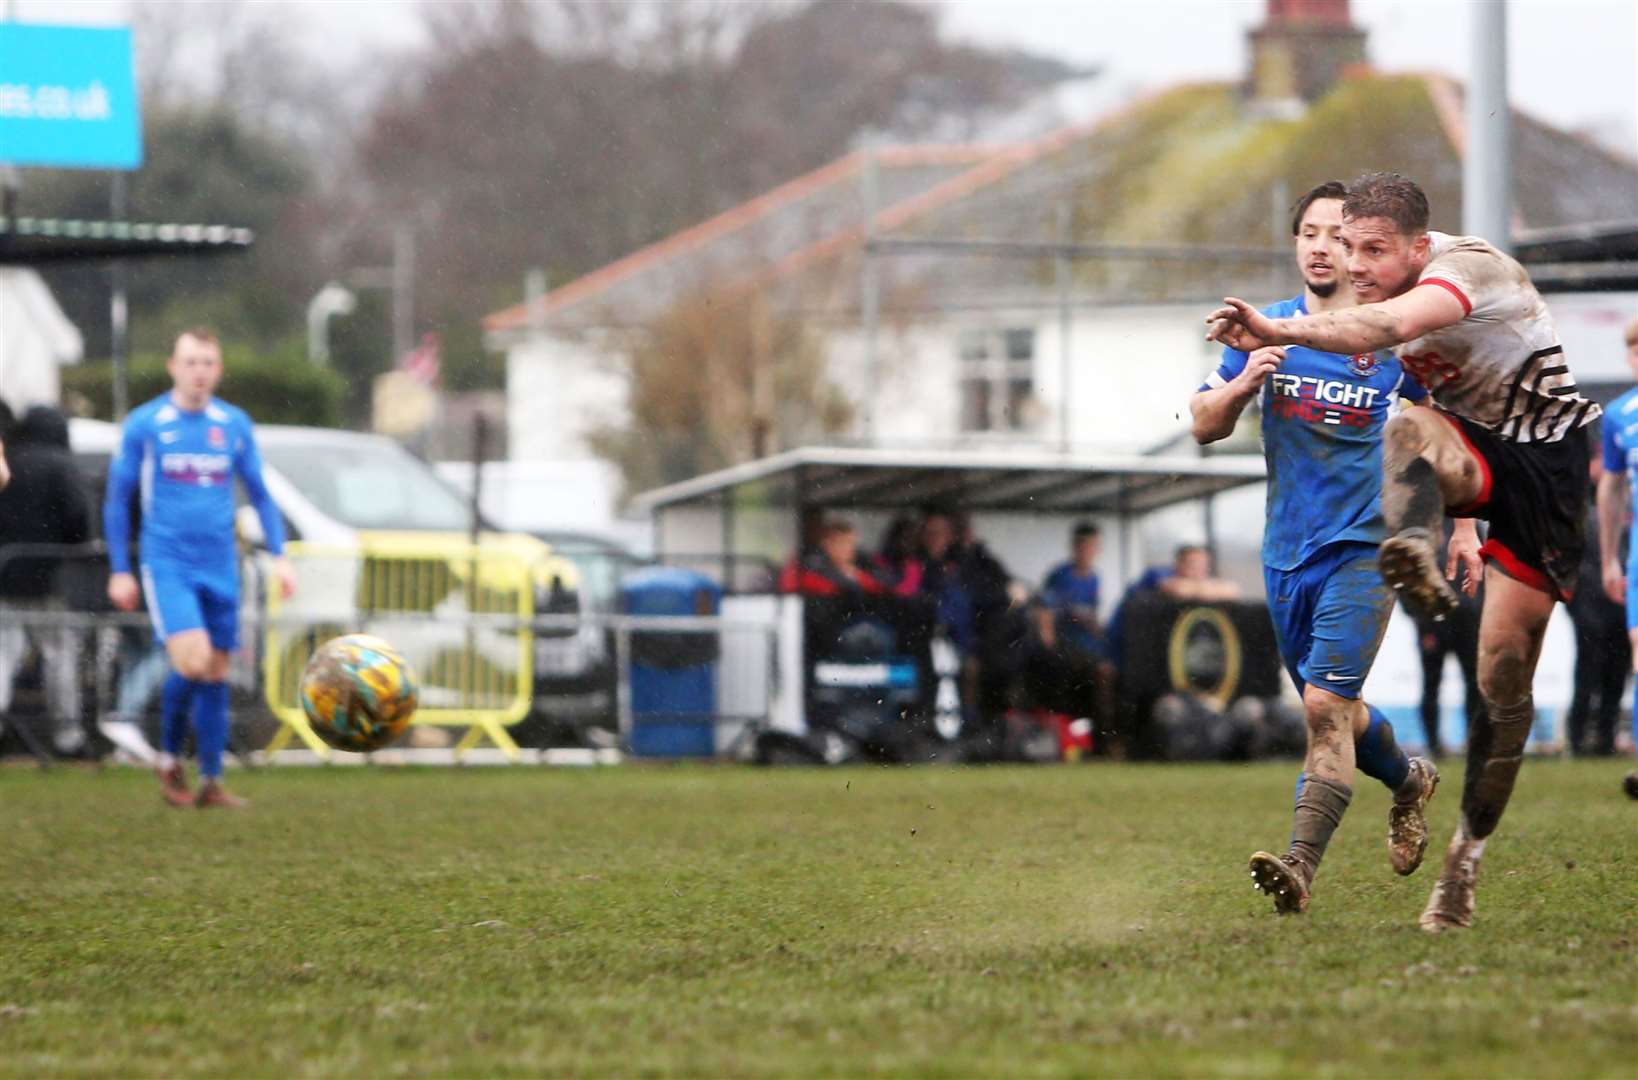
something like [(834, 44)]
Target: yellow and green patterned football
[(358, 692)]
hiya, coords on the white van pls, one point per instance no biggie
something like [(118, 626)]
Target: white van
[(364, 492)]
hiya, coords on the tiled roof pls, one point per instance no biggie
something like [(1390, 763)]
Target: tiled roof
[(1185, 166), (824, 203)]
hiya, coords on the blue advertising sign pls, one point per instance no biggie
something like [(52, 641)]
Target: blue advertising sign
[(68, 97)]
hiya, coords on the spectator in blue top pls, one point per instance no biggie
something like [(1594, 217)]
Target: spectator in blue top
[(1071, 592), (1069, 598)]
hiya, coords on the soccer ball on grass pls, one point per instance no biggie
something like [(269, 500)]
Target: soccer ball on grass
[(358, 692)]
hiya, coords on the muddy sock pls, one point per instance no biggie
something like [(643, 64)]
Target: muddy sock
[(1319, 812), (1495, 750), (1411, 498), (1377, 752)]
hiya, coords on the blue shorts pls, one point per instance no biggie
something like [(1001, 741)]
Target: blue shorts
[(1329, 617), (193, 598), (1632, 598)]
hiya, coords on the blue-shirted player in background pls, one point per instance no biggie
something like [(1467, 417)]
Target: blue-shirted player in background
[(1614, 507), (1323, 416), (182, 450)]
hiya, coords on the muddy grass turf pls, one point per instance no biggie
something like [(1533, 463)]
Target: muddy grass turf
[(724, 921)]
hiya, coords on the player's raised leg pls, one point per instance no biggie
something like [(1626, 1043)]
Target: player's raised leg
[(1426, 467), (1511, 629)]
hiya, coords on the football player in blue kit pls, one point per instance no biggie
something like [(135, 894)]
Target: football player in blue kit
[(1322, 421), (182, 450), (1614, 508)]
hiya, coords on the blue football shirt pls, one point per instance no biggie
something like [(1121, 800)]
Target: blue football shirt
[(1063, 591), (1621, 445), (184, 463), (1323, 415)]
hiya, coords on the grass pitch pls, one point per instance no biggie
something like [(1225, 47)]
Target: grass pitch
[(725, 921)]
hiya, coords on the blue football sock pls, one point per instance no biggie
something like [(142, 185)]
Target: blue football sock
[(1635, 716), (174, 700), (1377, 754), (210, 727)]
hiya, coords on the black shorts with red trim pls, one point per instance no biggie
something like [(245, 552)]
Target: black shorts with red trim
[(1535, 497)]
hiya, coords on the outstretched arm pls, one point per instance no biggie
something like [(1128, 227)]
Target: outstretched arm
[(1360, 329)]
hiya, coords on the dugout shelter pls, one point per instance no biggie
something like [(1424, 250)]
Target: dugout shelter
[(746, 516), (743, 522)]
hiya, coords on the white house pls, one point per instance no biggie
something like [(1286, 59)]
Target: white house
[(1170, 203)]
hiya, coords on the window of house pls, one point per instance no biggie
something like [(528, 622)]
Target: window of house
[(997, 373)]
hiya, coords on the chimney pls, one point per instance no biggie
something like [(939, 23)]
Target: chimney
[(1298, 53)]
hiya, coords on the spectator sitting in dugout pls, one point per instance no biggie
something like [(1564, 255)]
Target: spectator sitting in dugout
[(944, 582), (813, 520), (1190, 577), (895, 563), (833, 569)]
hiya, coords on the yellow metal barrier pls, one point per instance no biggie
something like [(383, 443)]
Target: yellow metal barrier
[(459, 613)]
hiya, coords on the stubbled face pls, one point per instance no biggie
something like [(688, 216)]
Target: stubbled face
[(196, 368), (1382, 261), (1320, 258)]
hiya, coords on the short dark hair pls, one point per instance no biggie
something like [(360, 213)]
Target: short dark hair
[(1388, 195), (1190, 549), (1083, 530), (1331, 189)]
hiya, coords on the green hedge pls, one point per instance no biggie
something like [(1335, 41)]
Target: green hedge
[(273, 389)]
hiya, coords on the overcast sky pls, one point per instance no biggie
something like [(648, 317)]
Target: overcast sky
[(1571, 62)]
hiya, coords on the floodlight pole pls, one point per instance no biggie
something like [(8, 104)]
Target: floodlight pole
[(119, 310), (403, 292), (1066, 380), (1487, 173), (869, 287)]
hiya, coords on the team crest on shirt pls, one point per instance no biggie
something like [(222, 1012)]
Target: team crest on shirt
[(218, 437), (1364, 365)]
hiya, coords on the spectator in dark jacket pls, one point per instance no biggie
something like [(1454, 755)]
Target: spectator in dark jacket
[(895, 561), (45, 504), (833, 568), (944, 583)]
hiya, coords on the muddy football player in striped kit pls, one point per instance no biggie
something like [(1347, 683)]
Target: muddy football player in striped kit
[(1507, 443)]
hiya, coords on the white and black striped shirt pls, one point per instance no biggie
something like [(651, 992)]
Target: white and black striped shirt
[(1502, 366)]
